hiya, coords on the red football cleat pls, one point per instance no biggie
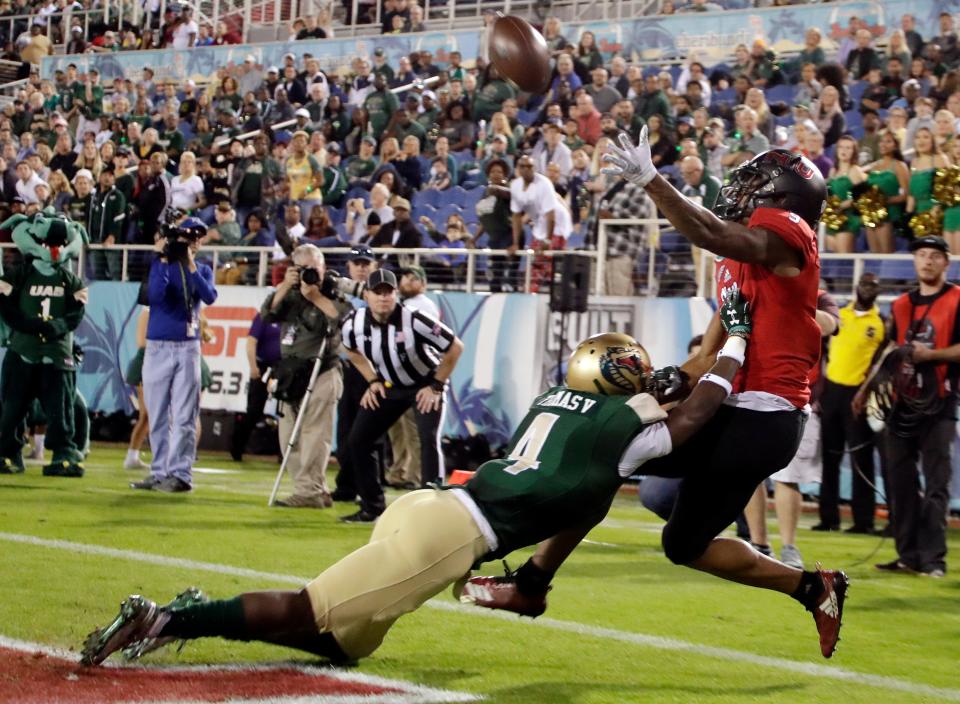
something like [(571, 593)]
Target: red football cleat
[(501, 593), (828, 611)]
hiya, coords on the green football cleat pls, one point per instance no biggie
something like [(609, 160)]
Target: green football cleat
[(63, 469), (139, 618), (137, 650), (8, 466)]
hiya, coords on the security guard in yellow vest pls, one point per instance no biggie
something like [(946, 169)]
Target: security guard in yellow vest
[(851, 351)]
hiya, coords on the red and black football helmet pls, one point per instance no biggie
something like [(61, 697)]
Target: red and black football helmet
[(774, 179)]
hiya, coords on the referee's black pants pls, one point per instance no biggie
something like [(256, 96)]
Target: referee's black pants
[(370, 425), (839, 429), (354, 386), (920, 512)]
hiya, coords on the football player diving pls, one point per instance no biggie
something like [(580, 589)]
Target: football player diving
[(762, 231), (572, 451)]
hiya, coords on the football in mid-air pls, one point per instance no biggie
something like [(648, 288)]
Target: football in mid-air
[(520, 53)]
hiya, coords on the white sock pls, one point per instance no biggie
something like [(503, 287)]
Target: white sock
[(133, 454), (38, 442)]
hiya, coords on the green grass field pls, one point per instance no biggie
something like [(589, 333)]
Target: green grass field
[(623, 625)]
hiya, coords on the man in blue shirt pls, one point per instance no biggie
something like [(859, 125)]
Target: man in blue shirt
[(175, 288)]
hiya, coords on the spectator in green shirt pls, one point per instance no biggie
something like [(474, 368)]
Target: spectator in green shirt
[(380, 65), (431, 112), (491, 94), (760, 69), (402, 126), (380, 104), (334, 180), (361, 167), (106, 218)]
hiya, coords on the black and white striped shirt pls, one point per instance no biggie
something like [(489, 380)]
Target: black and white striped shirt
[(405, 350)]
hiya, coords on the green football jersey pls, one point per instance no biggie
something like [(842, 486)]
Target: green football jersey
[(562, 466), (53, 297)]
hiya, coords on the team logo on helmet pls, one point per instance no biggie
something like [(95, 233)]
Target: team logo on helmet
[(622, 367)]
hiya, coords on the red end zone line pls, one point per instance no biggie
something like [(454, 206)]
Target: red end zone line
[(35, 674)]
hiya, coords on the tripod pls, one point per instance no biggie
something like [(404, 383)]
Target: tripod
[(295, 433)]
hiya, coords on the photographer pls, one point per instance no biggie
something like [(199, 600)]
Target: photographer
[(308, 307), (406, 357), (175, 287)]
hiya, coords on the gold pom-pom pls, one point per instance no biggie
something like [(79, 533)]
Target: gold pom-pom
[(872, 205), (946, 186), (833, 216), (928, 223)]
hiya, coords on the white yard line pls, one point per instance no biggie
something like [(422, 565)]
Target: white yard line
[(410, 693), (648, 641)]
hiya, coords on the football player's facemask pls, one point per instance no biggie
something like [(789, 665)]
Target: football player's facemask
[(774, 179), (610, 364)]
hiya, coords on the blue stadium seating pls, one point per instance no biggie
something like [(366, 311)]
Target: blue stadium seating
[(429, 197), (857, 90), (780, 93)]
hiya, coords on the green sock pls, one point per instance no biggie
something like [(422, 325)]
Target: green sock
[(222, 618)]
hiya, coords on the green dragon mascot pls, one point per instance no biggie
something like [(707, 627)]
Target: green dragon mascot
[(41, 303)]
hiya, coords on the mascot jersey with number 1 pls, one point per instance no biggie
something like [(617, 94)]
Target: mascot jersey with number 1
[(41, 303)]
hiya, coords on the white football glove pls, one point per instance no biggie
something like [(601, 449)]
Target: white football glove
[(634, 163)]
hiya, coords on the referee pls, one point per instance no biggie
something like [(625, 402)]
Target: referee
[(406, 358)]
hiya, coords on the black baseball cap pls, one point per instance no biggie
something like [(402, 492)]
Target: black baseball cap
[(930, 242), (382, 277), (361, 252)]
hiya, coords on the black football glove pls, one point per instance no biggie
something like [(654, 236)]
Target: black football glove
[(664, 384), (735, 316)]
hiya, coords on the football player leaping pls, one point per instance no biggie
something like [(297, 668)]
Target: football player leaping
[(762, 234), (567, 459)]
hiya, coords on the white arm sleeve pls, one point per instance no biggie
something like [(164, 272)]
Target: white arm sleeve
[(654, 441)]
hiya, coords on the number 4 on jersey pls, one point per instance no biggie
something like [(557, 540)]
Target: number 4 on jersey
[(527, 450)]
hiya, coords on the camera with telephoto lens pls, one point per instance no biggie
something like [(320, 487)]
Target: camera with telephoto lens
[(332, 285)]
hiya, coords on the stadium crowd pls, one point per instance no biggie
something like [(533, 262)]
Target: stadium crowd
[(881, 112)]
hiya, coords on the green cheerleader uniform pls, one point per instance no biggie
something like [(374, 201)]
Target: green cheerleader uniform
[(951, 219), (135, 371), (889, 185), (842, 188), (921, 188)]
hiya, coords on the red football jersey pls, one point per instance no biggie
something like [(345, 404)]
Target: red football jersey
[(785, 343)]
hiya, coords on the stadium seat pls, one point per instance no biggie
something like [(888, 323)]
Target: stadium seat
[(446, 211), (429, 197), (337, 215), (457, 195), (473, 196), (421, 210), (857, 90), (672, 241), (897, 269), (780, 93)]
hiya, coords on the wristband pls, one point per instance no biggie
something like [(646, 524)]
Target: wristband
[(735, 348), (719, 381), (437, 385), (376, 380)]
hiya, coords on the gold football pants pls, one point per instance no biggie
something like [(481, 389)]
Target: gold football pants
[(424, 542)]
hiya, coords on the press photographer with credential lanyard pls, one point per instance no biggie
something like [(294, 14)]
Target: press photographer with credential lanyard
[(175, 287)]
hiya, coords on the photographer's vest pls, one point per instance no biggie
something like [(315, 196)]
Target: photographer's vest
[(930, 320)]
